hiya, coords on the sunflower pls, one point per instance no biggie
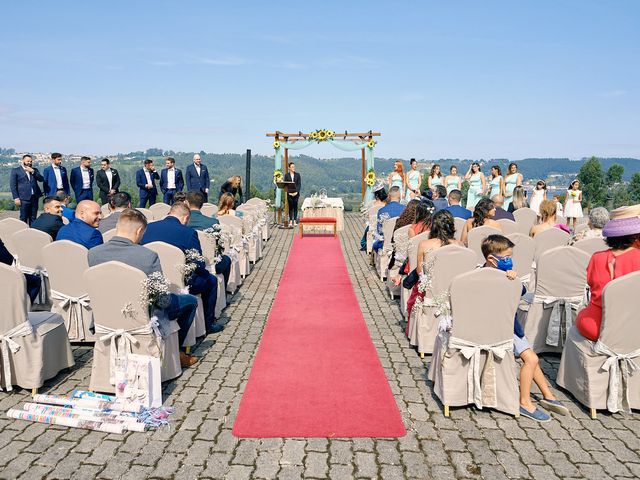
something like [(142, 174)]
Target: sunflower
[(276, 144), (277, 176), (370, 178), (330, 134), (371, 144), (322, 135), (313, 135)]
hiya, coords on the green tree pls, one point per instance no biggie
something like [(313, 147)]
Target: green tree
[(634, 187), (592, 178), (614, 174)]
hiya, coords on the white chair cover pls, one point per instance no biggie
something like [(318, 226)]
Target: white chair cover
[(104, 210), (548, 239), (525, 218), (459, 225), (66, 263), (401, 250), (414, 243), (383, 255), (473, 363), (605, 374), (476, 237), (28, 246), (233, 225), (159, 210), (108, 235), (523, 253), (34, 346), (122, 318), (372, 222), (591, 245), (561, 281), (209, 252), (508, 226), (147, 213), (209, 210), (8, 227)]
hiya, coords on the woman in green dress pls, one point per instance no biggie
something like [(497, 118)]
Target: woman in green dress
[(413, 180), (435, 177), (496, 186), (477, 185), (453, 180), (512, 180)]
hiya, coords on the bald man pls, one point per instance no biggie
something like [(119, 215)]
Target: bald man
[(197, 177), (84, 227)]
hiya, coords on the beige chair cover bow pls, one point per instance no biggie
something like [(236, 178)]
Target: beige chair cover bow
[(563, 311), (28, 246), (620, 368), (74, 307), (481, 386), (7, 343)]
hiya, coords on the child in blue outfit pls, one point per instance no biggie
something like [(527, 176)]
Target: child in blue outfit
[(497, 251)]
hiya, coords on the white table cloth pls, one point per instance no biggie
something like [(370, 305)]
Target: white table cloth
[(327, 207)]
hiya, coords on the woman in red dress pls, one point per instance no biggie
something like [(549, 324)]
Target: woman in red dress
[(622, 234)]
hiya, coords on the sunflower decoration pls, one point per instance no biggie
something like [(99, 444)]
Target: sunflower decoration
[(276, 144), (322, 135), (277, 176), (313, 136), (370, 179), (371, 144), (330, 134)]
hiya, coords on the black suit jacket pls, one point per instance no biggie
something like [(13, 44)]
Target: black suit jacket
[(103, 182), (296, 179), (48, 223)]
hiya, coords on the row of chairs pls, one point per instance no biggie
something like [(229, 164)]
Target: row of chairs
[(556, 274), (79, 302)]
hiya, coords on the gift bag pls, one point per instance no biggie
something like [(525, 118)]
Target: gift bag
[(138, 380)]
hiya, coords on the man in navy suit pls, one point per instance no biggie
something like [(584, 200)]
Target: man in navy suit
[(25, 189), (454, 205), (82, 180), (171, 180), (83, 229), (174, 231), (55, 176), (107, 180), (391, 210), (51, 220), (198, 177), (146, 180)]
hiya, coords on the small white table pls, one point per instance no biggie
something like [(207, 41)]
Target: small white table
[(328, 207)]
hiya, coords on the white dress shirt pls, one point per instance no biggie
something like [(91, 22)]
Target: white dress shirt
[(197, 169), (58, 173), (171, 178), (148, 175), (86, 179), (29, 177), (109, 175)]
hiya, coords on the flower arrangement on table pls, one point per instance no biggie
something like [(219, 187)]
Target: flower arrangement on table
[(277, 175), (193, 259), (370, 179), (321, 135)]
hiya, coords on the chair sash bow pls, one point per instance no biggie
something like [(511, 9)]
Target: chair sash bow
[(75, 319), (617, 364), (122, 341), (7, 343), (40, 272), (481, 386), (562, 315)]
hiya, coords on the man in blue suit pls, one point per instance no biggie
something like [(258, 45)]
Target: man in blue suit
[(146, 180), (25, 190), (391, 210), (83, 229), (171, 180), (82, 180), (454, 205), (174, 231), (198, 177), (55, 176)]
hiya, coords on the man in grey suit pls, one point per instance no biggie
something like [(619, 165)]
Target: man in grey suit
[(124, 247), (119, 202)]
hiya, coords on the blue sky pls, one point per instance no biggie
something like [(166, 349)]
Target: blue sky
[(461, 79)]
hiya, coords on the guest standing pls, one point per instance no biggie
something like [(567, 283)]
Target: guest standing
[(55, 176), (25, 190), (82, 180), (537, 196), (198, 177), (397, 179), (146, 181), (622, 234), (233, 186), (477, 185), (453, 180), (435, 177), (482, 215), (511, 181), (171, 181), (84, 227), (496, 185), (293, 193), (51, 220), (573, 204), (107, 180), (413, 180)]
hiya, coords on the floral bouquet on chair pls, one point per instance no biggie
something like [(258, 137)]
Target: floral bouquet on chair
[(193, 260), (155, 291)]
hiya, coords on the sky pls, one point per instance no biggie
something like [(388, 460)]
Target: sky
[(464, 79)]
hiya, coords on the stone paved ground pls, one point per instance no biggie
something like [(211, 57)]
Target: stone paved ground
[(471, 444)]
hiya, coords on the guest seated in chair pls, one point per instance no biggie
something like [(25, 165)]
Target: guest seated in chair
[(227, 205), (482, 215), (440, 197), (64, 198), (498, 251), (391, 210), (598, 218), (174, 231), (622, 234), (198, 221), (548, 219), (501, 213), (124, 247), (118, 203), (84, 227), (455, 208), (51, 220), (33, 281)]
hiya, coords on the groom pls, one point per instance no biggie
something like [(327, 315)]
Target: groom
[(293, 193)]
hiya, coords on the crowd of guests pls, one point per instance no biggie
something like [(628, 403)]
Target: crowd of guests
[(26, 180), (620, 231), (86, 224)]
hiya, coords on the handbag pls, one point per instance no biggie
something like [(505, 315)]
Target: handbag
[(411, 280)]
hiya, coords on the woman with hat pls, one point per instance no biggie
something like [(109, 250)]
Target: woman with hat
[(622, 234)]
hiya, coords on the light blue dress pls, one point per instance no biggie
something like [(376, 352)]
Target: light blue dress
[(435, 181), (510, 182), (413, 182), (494, 186), (452, 183), (475, 191), (396, 181)]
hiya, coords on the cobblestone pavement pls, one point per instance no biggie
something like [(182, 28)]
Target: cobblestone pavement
[(471, 444)]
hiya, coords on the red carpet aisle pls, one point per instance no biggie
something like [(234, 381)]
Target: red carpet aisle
[(317, 373)]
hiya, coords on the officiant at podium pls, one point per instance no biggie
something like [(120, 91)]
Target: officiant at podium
[(293, 192)]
